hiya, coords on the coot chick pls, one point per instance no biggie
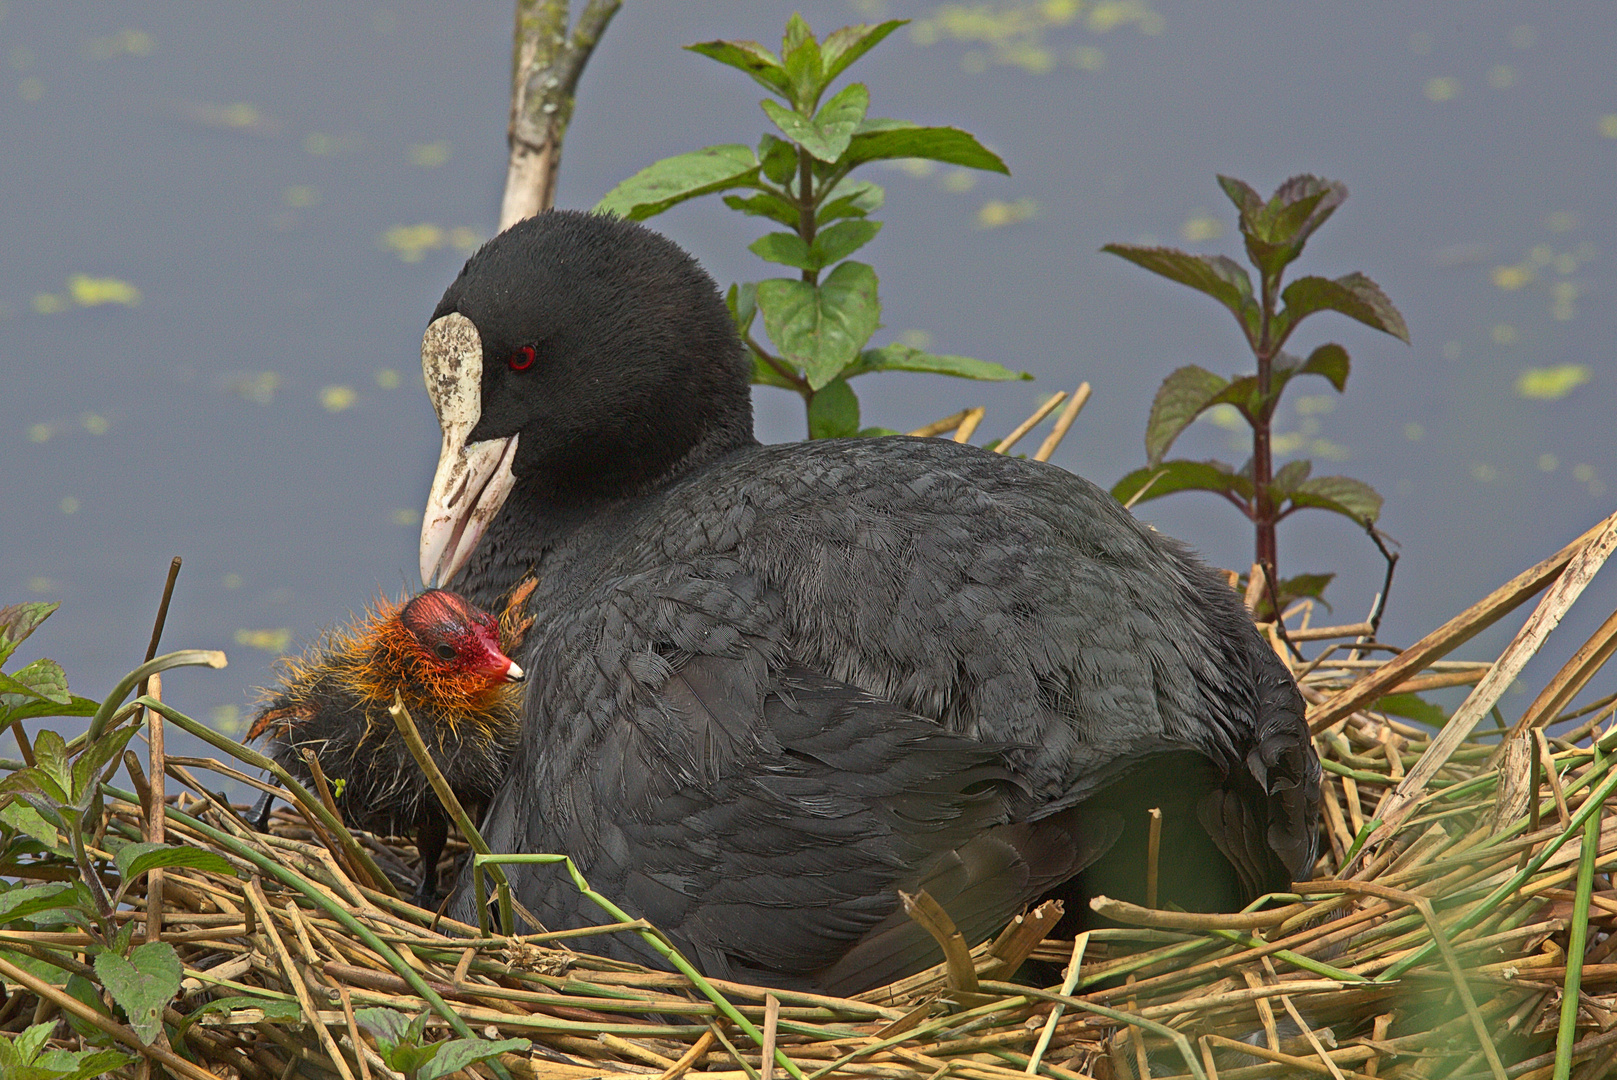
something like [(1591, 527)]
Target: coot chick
[(445, 658), (696, 587)]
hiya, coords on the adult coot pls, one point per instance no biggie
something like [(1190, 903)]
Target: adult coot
[(740, 650), (444, 657)]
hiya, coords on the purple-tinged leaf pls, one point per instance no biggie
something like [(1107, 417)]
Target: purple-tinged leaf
[(1218, 276), (749, 56), (1286, 479), (842, 47), (1354, 295), (1330, 362)]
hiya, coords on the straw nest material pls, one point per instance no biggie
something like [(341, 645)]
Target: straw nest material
[(1460, 924)]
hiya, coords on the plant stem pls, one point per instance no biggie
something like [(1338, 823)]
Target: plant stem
[(1263, 509), (806, 206)]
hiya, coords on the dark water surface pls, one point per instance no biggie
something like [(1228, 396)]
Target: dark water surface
[(224, 227)]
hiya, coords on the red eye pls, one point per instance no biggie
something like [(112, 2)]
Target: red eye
[(522, 359)]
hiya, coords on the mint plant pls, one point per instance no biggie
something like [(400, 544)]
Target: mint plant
[(1275, 232), (820, 322)]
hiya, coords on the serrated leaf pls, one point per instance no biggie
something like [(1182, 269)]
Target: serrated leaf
[(457, 1054), (17, 621), (1182, 397), (787, 249), (1354, 295), (882, 140), (80, 1064), (1306, 202), (42, 679), (36, 708), (28, 821), (836, 242), (87, 768), (827, 135), (21, 901), (822, 328), (1341, 495), (1242, 392), (134, 860), (777, 158), (685, 176), (851, 199), (742, 300), (387, 1026), (51, 759), (749, 56), (834, 412), (899, 357), (1218, 276), (1286, 479), (766, 205), (1330, 362), (1180, 475), (27, 1045), (1246, 200), (800, 55), (842, 47), (142, 984)]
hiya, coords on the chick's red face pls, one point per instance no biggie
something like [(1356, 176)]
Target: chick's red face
[(460, 637)]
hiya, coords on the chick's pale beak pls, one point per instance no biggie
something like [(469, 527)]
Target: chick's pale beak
[(472, 480), (514, 673)]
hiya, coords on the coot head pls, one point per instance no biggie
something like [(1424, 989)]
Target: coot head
[(582, 353)]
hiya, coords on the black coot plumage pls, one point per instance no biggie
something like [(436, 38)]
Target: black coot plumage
[(445, 658), (765, 678)]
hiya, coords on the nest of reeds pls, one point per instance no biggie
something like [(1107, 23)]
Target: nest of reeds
[(1460, 924)]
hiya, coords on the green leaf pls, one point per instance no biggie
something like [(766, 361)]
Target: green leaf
[(1329, 362), (1354, 295), (36, 708), (822, 328), (89, 995), (765, 204), (51, 758), (1296, 588), (785, 248), (1288, 477), (777, 158), (749, 56), (851, 199), (742, 300), (1218, 276), (28, 821), (836, 242), (827, 135), (842, 47), (457, 1054), (1303, 203), (800, 54), (134, 860), (1180, 475), (1246, 200), (80, 1064), (87, 768), (17, 621), (274, 1010), (41, 679), (21, 901), (142, 984), (898, 357), (1182, 397), (833, 413), (880, 140), (387, 1026), (685, 176), (1341, 495), (1412, 707), (876, 432)]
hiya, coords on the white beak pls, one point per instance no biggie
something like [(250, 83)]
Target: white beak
[(472, 481)]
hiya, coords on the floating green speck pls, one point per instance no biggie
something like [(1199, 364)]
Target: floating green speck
[(90, 291), (271, 641), (1551, 383)]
